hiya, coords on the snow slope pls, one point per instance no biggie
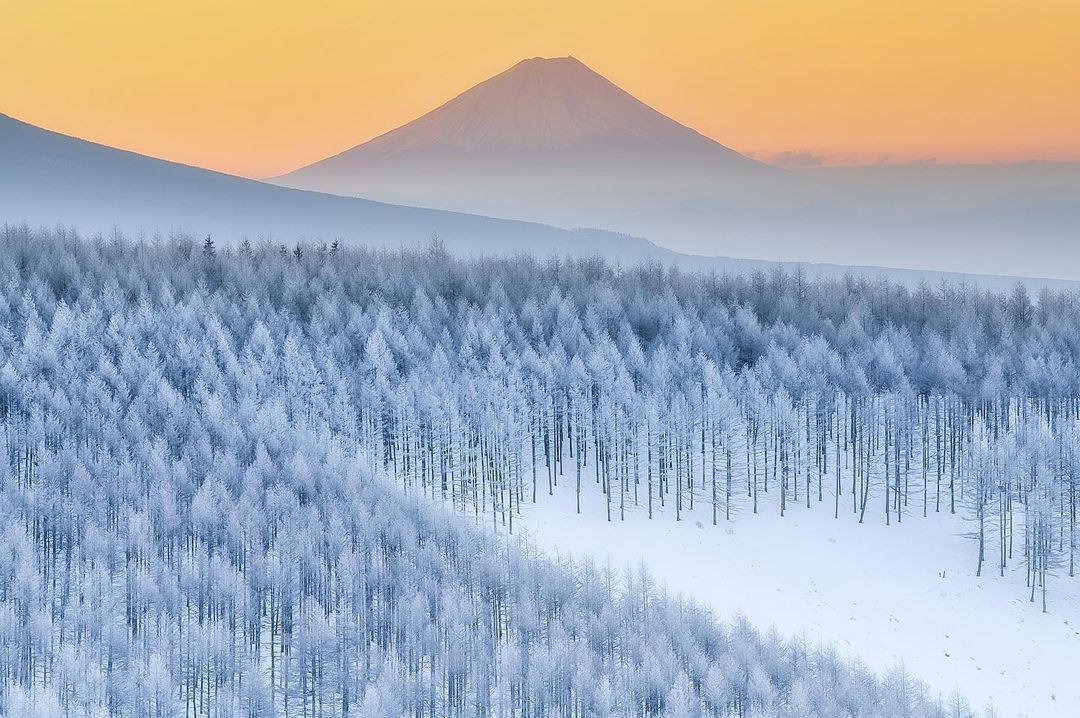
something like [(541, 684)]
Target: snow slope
[(47, 178), (904, 593)]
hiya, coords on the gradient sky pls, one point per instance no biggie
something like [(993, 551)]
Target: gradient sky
[(260, 87)]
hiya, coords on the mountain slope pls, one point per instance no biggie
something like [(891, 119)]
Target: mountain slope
[(47, 178)]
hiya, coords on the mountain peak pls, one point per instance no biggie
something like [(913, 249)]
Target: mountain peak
[(565, 62), (556, 69), (540, 109), (565, 59)]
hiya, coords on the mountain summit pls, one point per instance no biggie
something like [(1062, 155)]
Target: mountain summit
[(540, 112)]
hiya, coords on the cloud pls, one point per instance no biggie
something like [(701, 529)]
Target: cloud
[(799, 158)]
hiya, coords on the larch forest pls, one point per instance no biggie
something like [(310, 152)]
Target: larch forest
[(264, 480)]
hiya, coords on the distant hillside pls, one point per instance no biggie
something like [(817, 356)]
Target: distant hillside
[(47, 178)]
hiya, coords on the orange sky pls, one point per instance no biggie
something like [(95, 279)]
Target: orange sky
[(259, 87)]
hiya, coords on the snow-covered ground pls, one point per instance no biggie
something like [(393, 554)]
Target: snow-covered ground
[(903, 593)]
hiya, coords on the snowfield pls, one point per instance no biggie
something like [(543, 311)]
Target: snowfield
[(895, 594)]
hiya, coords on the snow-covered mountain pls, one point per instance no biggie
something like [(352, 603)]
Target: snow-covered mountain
[(541, 114), (551, 141)]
